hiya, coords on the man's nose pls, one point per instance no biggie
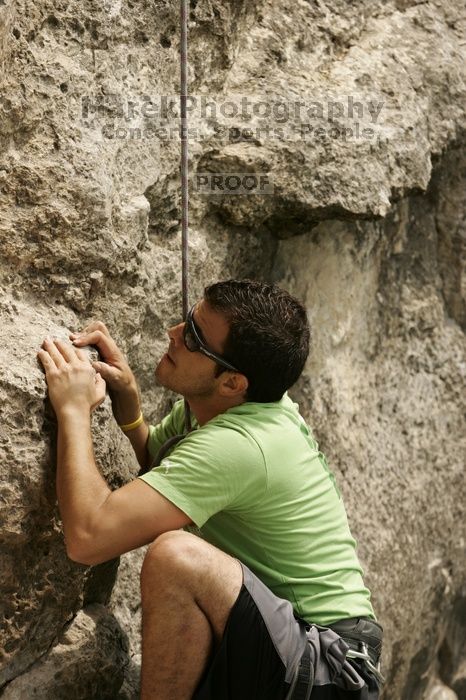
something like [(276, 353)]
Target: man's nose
[(175, 333)]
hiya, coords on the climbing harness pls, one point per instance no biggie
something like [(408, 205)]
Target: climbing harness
[(325, 663), (364, 656)]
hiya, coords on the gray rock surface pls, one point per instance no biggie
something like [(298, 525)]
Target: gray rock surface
[(355, 120), (125, 604), (40, 588), (384, 391), (89, 660), (439, 691)]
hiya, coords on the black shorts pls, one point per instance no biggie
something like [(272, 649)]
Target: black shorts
[(260, 656)]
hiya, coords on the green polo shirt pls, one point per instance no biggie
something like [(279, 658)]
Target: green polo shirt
[(254, 482)]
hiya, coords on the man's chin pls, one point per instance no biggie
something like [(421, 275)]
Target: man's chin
[(162, 379)]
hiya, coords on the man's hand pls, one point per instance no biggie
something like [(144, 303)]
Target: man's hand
[(114, 368), (124, 392), (74, 385)]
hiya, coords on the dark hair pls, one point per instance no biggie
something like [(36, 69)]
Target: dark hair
[(269, 335)]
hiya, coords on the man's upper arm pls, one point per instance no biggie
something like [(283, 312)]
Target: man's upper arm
[(211, 470), (131, 516)]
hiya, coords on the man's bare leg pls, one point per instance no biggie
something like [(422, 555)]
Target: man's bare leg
[(188, 588)]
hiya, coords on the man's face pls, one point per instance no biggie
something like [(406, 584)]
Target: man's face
[(192, 374)]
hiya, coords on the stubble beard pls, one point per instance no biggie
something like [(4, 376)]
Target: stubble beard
[(187, 389)]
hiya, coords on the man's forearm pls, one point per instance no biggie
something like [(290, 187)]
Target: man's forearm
[(81, 489), (126, 409), (138, 439), (126, 404)]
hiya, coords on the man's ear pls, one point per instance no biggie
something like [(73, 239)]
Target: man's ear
[(233, 384)]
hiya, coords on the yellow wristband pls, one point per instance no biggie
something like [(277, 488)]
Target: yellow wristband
[(135, 424)]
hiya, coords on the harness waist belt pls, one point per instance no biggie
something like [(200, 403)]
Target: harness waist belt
[(356, 630), (360, 638)]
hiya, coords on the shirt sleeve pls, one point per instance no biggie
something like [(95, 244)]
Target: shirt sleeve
[(172, 424), (213, 469)]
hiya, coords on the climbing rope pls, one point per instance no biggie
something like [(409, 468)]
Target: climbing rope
[(184, 154), (184, 174), (171, 442), (184, 212)]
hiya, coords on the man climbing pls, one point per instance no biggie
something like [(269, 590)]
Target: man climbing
[(256, 604)]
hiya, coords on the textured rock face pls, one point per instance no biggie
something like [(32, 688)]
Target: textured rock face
[(89, 660), (385, 391), (41, 589), (353, 115)]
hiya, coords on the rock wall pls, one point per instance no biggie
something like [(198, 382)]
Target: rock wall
[(385, 392), (350, 119)]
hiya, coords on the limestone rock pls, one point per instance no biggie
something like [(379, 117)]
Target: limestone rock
[(125, 604), (384, 390), (88, 661), (41, 588), (439, 691), (355, 121)]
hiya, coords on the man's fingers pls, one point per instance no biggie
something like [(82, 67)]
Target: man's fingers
[(66, 350), (82, 355), (107, 347), (46, 361), (100, 389), (54, 352), (107, 372), (92, 327)]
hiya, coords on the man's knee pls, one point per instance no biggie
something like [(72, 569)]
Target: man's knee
[(173, 552), (180, 566)]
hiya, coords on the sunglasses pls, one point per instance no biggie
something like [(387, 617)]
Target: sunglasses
[(193, 341)]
